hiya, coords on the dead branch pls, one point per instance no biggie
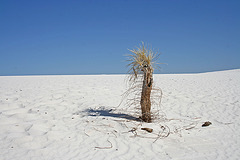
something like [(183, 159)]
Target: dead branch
[(160, 133), (147, 129), (106, 147), (85, 132)]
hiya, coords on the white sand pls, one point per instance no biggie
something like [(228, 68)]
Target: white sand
[(70, 117)]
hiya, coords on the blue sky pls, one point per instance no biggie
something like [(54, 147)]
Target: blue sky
[(92, 36)]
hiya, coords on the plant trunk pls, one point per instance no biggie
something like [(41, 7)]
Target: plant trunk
[(146, 93)]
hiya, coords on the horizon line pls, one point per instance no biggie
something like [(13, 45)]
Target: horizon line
[(75, 74)]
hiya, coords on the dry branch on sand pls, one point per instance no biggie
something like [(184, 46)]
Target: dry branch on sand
[(106, 147)]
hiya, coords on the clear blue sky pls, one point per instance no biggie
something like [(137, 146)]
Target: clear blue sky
[(92, 36)]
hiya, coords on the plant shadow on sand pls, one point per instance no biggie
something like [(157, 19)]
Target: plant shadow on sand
[(108, 113)]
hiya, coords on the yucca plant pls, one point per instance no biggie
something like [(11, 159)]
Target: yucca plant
[(141, 64)]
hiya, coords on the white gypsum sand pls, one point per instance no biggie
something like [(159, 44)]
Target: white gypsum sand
[(76, 117)]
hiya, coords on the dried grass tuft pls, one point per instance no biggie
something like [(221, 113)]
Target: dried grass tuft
[(140, 58)]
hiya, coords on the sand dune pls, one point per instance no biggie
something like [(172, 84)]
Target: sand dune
[(77, 117)]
